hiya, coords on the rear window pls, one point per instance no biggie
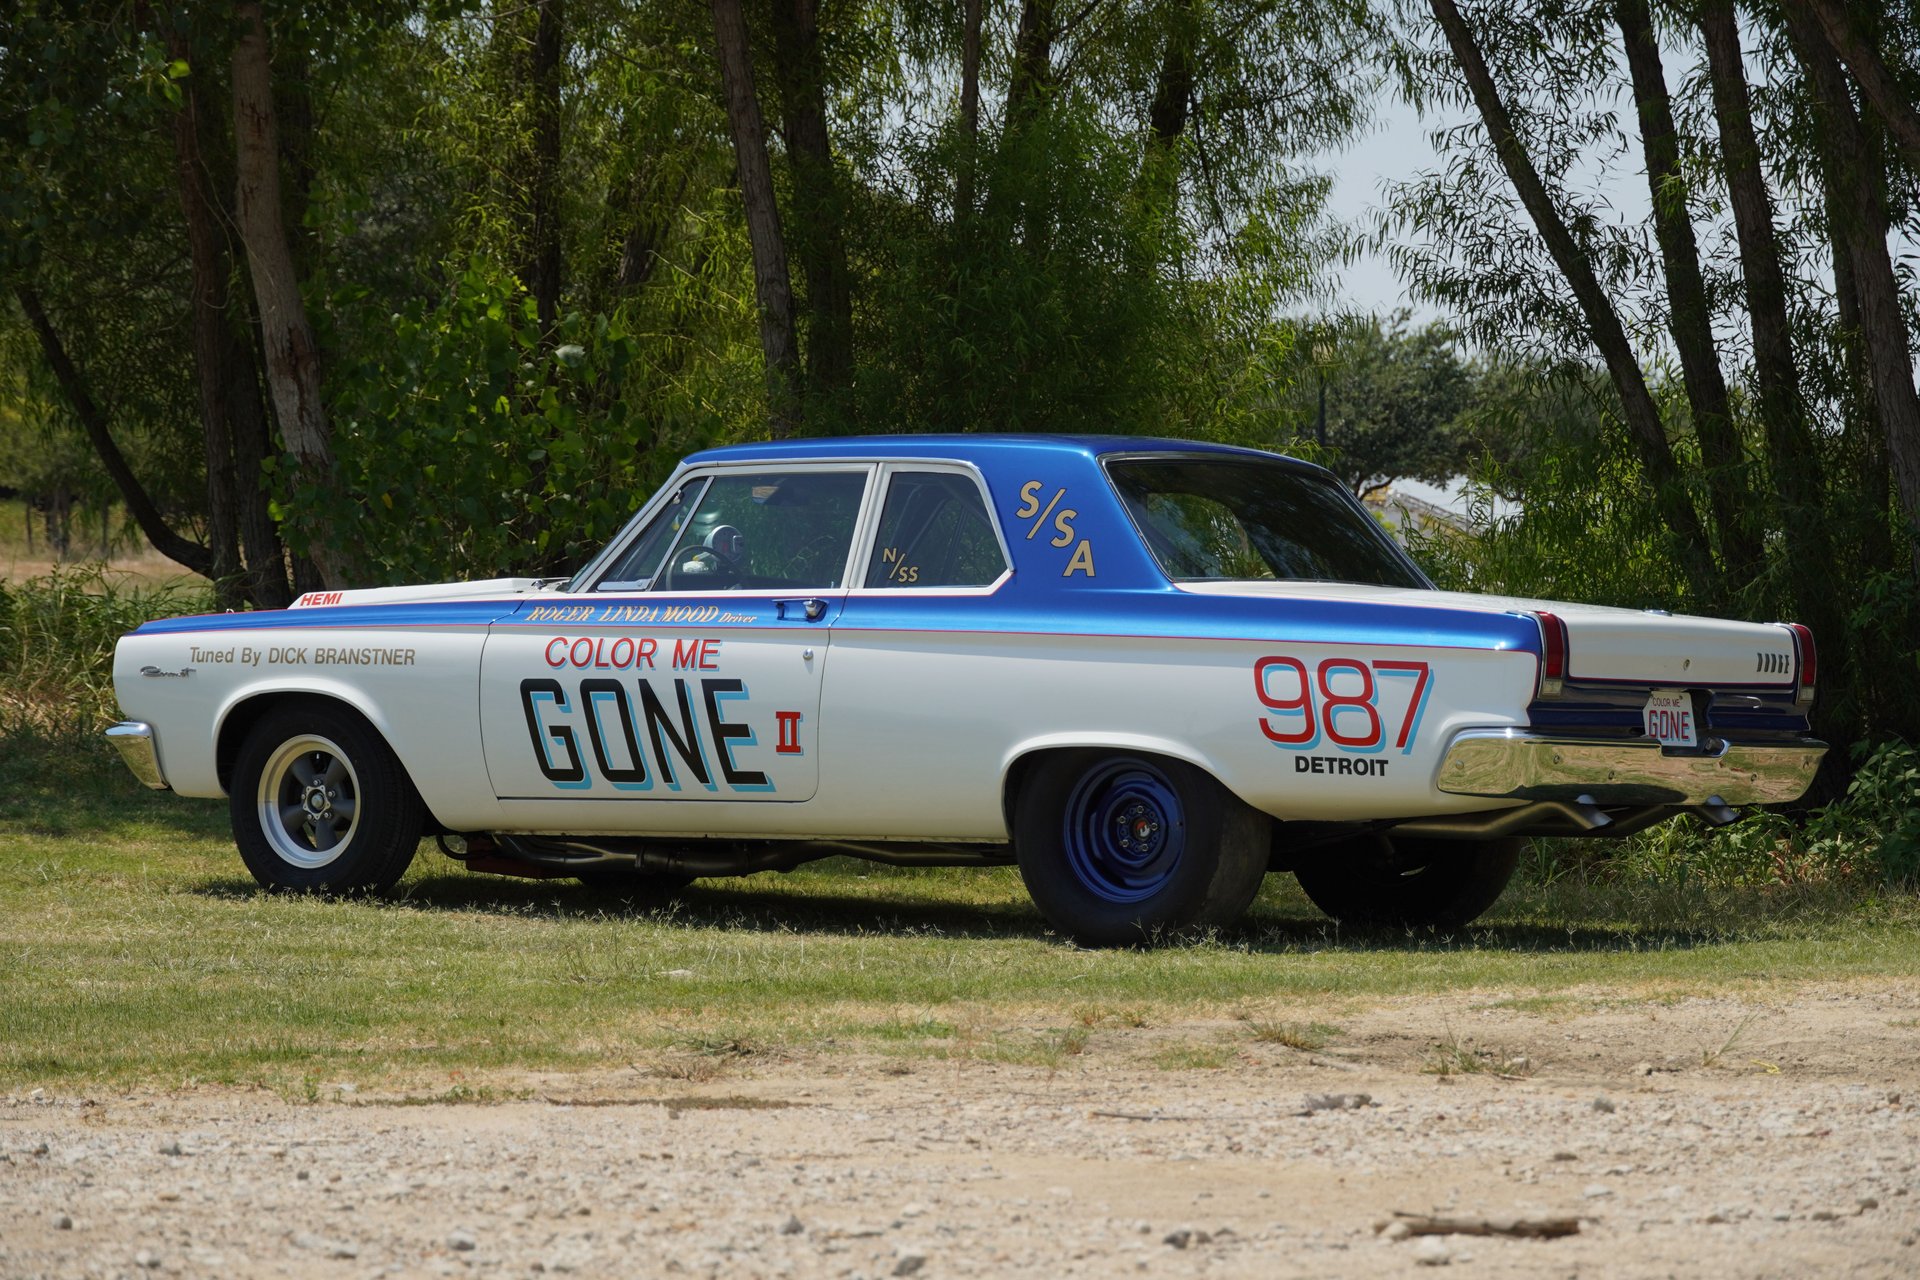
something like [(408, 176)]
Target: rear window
[(1242, 519)]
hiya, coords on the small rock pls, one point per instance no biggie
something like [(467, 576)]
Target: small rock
[(1865, 1203), (908, 1261), (792, 1226), (41, 1149), (1338, 1101), (1178, 1239), (679, 973), (1642, 1069), (1597, 1190), (302, 1176), (1432, 1251), (171, 1147), (344, 1249), (1824, 1215), (1397, 1231), (1604, 1106), (62, 1222), (1565, 1155), (462, 1241), (146, 1258), (915, 1209)]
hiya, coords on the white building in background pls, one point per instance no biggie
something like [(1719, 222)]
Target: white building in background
[(1414, 501)]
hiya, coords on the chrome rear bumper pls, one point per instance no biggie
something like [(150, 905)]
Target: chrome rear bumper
[(1524, 765), (134, 738)]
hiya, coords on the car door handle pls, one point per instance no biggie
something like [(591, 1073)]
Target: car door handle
[(812, 607)]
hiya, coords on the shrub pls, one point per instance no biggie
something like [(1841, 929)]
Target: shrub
[(57, 635)]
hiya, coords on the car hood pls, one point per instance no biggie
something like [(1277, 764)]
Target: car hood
[(487, 589)]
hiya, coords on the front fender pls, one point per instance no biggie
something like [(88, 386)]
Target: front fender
[(283, 687)]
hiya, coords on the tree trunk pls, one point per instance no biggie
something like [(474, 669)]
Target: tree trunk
[(212, 339), (543, 261), (1890, 102), (969, 110), (1857, 202), (1689, 317), (1793, 463), (772, 286), (1603, 323), (818, 210), (292, 357), (1167, 118), (1032, 61), (139, 503), (1173, 88), (652, 222)]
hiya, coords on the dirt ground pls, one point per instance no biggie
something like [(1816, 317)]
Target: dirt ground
[(1767, 1135)]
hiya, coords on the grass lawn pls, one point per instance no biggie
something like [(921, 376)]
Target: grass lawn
[(136, 950)]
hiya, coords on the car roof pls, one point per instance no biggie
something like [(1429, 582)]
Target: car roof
[(969, 447)]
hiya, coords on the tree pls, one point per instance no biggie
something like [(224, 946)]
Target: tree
[(1377, 399), (772, 285), (1601, 321), (1809, 375), (292, 352)]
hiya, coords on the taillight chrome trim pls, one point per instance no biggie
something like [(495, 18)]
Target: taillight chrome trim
[(1553, 654), (1806, 661)]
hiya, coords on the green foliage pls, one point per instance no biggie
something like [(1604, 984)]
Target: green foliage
[(57, 635), (1878, 821), (1391, 393), (1583, 532), (1871, 835), (469, 448)]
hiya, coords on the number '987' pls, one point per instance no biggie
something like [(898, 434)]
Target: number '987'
[(1349, 703)]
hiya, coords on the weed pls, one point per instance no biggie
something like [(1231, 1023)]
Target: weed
[(1454, 1056), (1195, 1057), (1714, 1057), (1304, 1036)]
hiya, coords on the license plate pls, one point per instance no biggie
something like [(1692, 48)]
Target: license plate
[(1669, 718)]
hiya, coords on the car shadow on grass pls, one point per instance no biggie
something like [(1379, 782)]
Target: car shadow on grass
[(895, 911)]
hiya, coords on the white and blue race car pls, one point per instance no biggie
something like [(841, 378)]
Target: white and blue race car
[(1149, 672)]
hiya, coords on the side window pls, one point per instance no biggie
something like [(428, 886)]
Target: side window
[(934, 532), (634, 570), (767, 530)]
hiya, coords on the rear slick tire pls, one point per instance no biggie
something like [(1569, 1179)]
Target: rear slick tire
[(320, 804), (1408, 882), (1121, 849)]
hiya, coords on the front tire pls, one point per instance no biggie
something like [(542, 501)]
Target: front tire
[(1401, 882), (320, 804), (1119, 849)]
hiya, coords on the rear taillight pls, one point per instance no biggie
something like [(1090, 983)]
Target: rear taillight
[(1809, 661), (1553, 654)]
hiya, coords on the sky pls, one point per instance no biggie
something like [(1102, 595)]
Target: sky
[(1395, 148)]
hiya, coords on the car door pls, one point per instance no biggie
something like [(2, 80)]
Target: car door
[(689, 672)]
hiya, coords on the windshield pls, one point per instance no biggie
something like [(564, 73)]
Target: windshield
[(1244, 519)]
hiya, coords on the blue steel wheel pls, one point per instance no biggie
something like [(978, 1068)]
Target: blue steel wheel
[(1124, 831), (1118, 848)]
